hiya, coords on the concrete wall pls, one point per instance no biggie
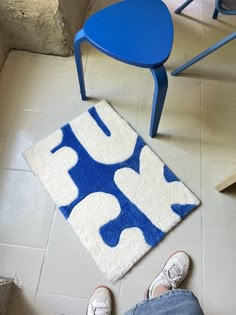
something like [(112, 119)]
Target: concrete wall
[(4, 48), (34, 25), (45, 26), (73, 12)]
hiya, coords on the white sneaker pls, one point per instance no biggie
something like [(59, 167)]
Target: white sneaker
[(172, 275), (100, 303)]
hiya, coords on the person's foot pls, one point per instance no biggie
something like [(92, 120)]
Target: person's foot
[(171, 276), (100, 303)]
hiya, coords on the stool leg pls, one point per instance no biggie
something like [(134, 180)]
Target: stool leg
[(180, 9), (79, 38), (215, 14), (161, 84), (203, 54)]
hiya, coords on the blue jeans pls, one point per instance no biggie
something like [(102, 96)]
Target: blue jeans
[(175, 302)]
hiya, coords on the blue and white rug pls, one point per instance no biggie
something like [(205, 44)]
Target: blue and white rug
[(118, 196)]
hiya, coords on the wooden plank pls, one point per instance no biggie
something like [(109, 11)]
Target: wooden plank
[(227, 181)]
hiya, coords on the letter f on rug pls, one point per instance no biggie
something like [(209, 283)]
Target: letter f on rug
[(116, 193)]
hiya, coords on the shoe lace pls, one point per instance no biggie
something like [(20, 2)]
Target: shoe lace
[(173, 274), (100, 308)]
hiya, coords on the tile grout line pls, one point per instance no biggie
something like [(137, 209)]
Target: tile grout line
[(21, 246), (41, 111), (15, 170), (2, 139), (63, 295), (119, 296), (52, 223), (45, 254), (201, 163), (39, 277)]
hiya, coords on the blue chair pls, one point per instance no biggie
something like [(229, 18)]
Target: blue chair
[(137, 32), (223, 6)]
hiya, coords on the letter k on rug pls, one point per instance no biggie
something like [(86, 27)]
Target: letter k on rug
[(118, 196)]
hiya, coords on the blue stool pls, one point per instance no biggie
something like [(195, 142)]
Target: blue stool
[(137, 32)]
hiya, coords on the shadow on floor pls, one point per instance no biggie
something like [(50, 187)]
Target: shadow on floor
[(18, 303)]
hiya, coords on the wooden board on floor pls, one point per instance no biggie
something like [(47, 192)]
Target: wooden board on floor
[(227, 181)]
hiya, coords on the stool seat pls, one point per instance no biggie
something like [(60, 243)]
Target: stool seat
[(137, 32), (133, 31)]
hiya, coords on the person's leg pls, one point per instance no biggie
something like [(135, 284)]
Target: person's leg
[(100, 303), (174, 302), (162, 298)]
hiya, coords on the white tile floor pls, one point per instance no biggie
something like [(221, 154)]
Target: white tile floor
[(196, 139)]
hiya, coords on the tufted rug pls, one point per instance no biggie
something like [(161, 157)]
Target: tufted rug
[(116, 193)]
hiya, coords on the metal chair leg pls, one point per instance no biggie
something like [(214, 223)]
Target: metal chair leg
[(79, 38), (180, 9), (161, 85), (215, 14), (205, 53)]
